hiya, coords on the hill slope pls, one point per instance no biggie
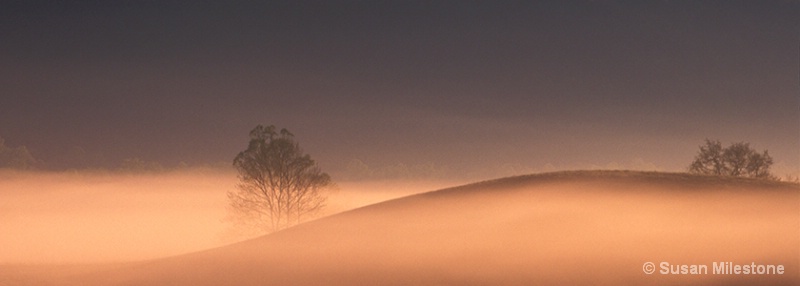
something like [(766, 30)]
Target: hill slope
[(583, 227)]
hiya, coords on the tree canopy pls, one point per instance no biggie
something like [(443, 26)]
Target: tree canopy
[(737, 160)]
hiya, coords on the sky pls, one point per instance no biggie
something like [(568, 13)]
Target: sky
[(473, 88)]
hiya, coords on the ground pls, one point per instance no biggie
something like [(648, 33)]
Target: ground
[(581, 227)]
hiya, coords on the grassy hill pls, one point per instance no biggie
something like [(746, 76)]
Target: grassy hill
[(580, 227)]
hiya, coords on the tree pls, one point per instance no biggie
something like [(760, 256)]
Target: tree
[(737, 160), (16, 158), (278, 185), (137, 165)]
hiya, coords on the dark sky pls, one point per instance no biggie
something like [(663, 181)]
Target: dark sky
[(471, 86)]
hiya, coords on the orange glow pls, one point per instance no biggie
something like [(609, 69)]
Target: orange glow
[(590, 227), (106, 217), (100, 217)]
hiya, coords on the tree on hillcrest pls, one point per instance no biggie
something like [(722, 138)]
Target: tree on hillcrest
[(736, 160), (278, 185)]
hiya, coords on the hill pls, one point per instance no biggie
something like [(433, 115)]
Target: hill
[(580, 227)]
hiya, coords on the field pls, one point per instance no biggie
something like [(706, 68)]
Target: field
[(563, 228)]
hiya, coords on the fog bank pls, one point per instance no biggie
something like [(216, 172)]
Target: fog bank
[(100, 216)]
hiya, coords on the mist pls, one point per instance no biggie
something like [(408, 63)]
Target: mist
[(594, 228), (108, 110), (101, 216), (95, 216), (591, 227)]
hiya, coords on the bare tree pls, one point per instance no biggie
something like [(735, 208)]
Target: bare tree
[(737, 160), (278, 185)]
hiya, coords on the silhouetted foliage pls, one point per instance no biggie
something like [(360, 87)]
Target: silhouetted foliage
[(278, 184), (737, 160), (15, 158), (137, 165)]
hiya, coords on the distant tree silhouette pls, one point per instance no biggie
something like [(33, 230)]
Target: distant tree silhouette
[(278, 184), (737, 160), (15, 158), (137, 165)]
